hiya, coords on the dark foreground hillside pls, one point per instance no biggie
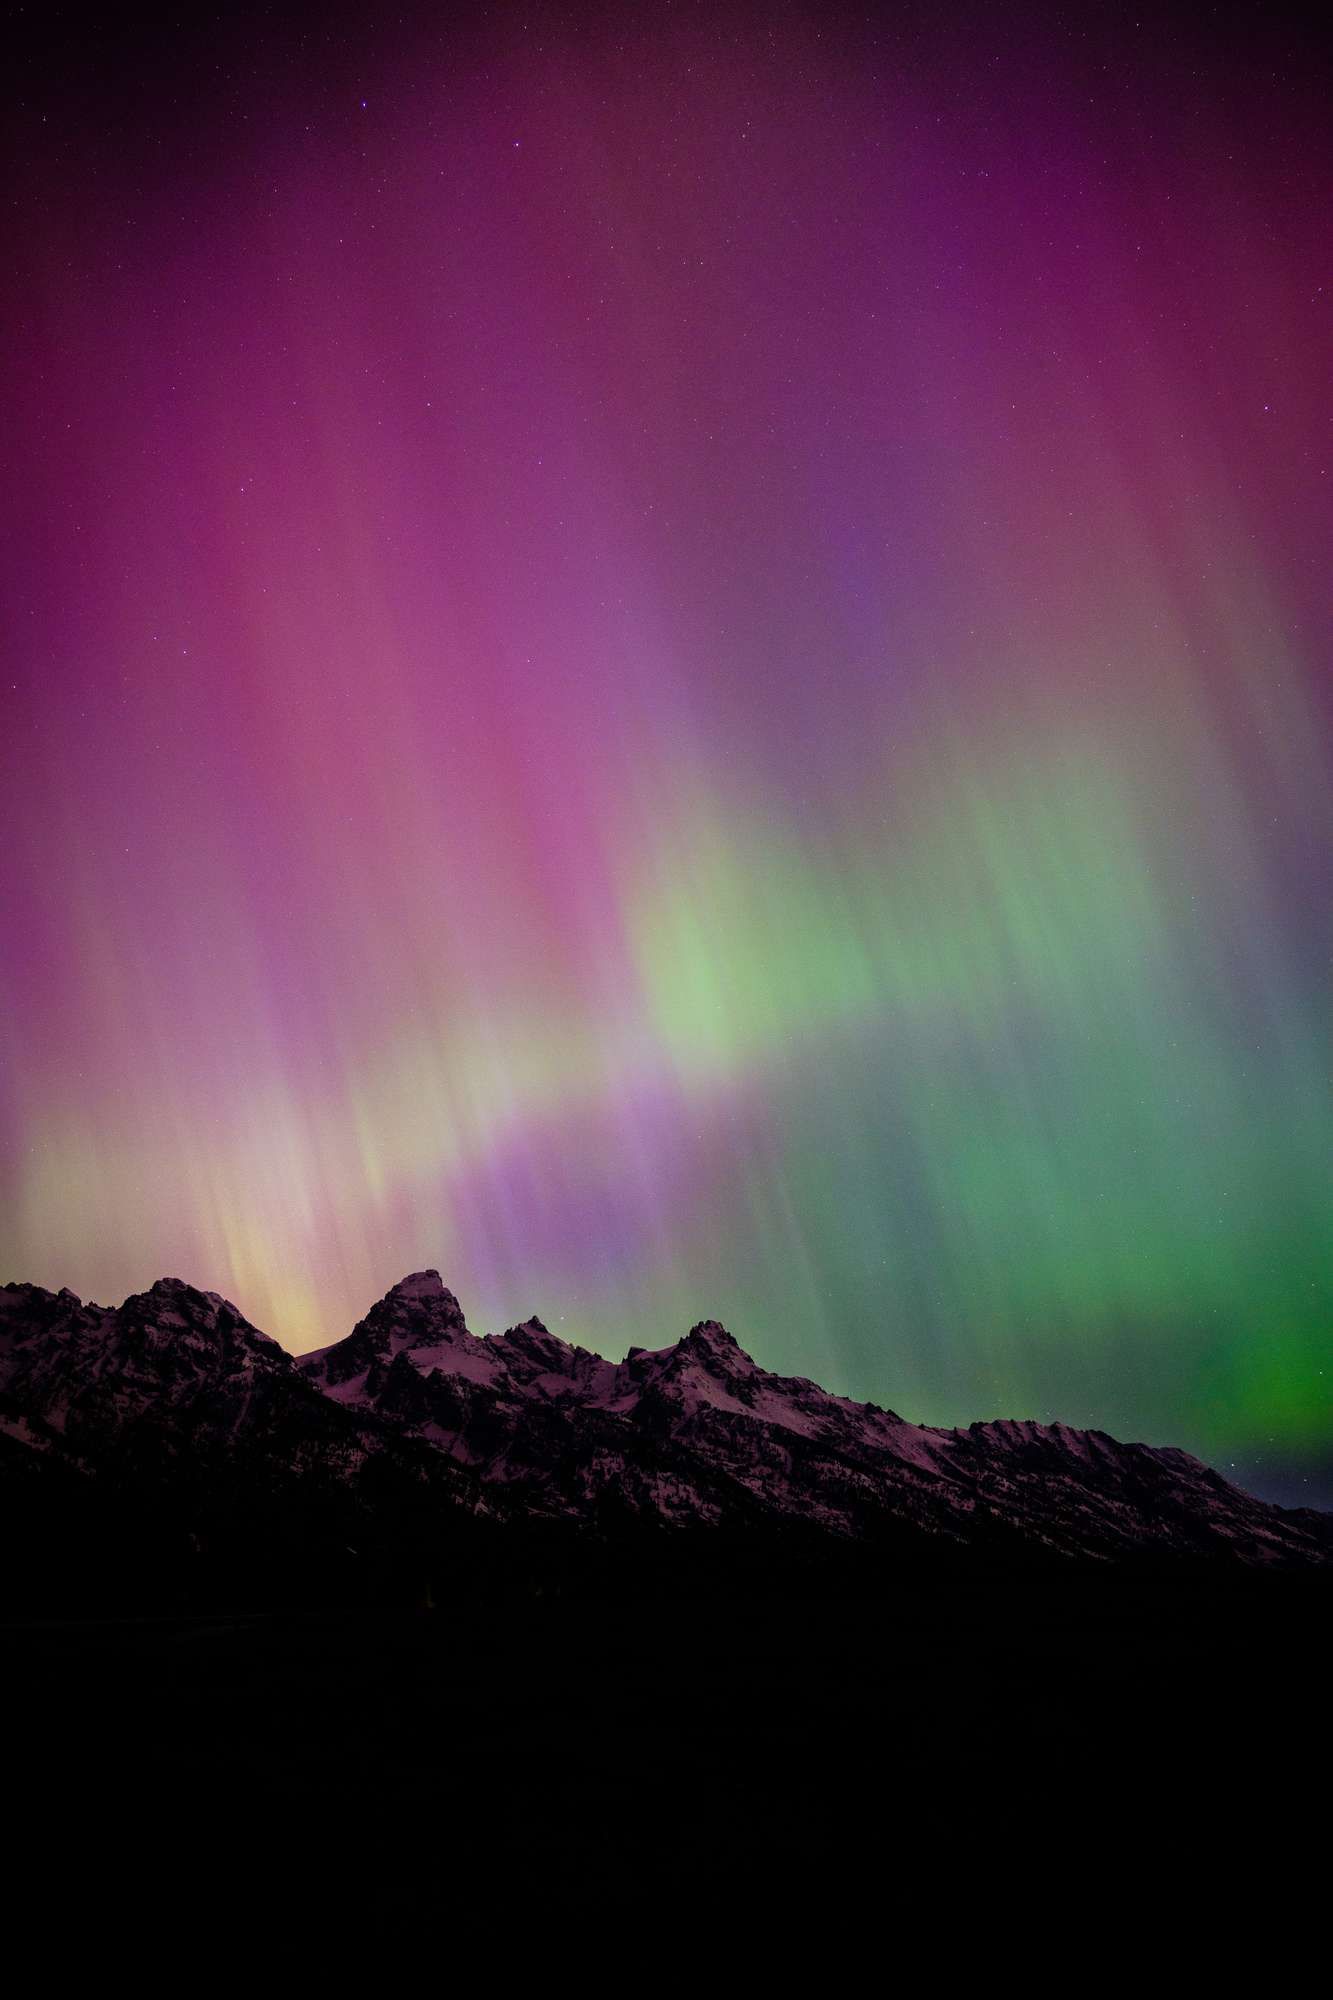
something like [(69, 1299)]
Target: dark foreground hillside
[(432, 1625), (393, 1756)]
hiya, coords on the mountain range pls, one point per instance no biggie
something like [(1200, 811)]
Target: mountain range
[(417, 1449)]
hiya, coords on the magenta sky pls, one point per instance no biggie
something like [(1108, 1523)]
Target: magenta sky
[(681, 671)]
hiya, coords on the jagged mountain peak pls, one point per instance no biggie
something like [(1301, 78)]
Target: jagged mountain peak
[(419, 1316), (176, 1295), (709, 1336), (172, 1313), (426, 1284), (530, 1353), (707, 1349), (693, 1433), (22, 1293), (533, 1332), (423, 1296)]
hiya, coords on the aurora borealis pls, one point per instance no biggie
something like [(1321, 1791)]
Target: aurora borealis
[(679, 661)]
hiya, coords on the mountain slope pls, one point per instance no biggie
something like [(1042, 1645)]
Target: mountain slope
[(168, 1436), (170, 1375), (698, 1433), (413, 1423)]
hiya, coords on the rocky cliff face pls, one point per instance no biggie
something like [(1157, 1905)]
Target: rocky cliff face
[(176, 1385), (521, 1426), (699, 1433)]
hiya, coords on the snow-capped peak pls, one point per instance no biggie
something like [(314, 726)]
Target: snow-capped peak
[(420, 1285), (709, 1336), (694, 1433), (420, 1307)]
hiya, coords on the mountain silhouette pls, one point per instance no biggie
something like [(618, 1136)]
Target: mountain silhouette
[(171, 1419)]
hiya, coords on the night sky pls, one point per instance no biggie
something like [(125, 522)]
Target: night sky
[(679, 660)]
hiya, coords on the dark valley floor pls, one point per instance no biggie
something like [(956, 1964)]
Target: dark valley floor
[(587, 1729)]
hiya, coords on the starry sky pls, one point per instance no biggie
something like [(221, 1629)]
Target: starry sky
[(678, 659)]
